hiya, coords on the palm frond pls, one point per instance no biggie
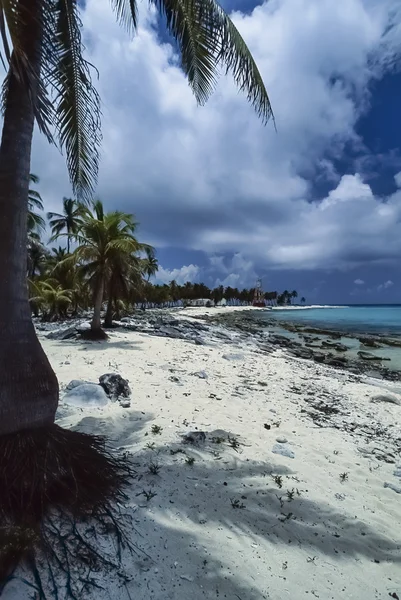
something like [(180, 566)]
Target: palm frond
[(127, 13), (207, 38), (35, 222), (17, 20), (35, 200), (32, 177), (77, 102)]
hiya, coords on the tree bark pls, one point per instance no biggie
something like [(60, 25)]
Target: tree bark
[(96, 321), (28, 385), (108, 320)]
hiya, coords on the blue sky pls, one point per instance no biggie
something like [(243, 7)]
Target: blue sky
[(315, 206)]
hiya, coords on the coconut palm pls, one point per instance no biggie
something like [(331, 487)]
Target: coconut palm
[(49, 81), (36, 223), (150, 265), (51, 298), (105, 241), (37, 257), (69, 221)]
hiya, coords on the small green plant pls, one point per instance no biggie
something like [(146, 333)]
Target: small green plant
[(287, 517), (233, 442), (343, 477), (156, 429), (154, 468), (149, 494), (176, 451), (151, 445), (278, 480), (218, 440), (290, 495), (189, 460), (235, 503)]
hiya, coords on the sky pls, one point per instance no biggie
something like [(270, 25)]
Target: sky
[(313, 206)]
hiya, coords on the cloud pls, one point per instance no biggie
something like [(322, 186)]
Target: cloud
[(213, 178), (359, 282), (385, 286), (180, 276)]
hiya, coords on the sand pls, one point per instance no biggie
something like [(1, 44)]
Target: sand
[(242, 521)]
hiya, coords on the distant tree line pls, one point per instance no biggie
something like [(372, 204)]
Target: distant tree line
[(103, 262)]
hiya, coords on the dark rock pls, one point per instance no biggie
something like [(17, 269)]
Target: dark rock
[(86, 395), (172, 332), (195, 437), (65, 333), (301, 352), (369, 356), (334, 346), (388, 399), (370, 343), (280, 340), (319, 357), (115, 386), (338, 361)]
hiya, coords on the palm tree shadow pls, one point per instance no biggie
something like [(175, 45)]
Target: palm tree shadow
[(121, 433), (207, 492), (200, 560), (104, 345)]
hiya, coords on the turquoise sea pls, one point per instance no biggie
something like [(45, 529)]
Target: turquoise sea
[(380, 319)]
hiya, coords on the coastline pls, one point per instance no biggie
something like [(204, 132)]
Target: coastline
[(291, 492)]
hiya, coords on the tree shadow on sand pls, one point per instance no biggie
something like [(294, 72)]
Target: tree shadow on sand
[(276, 510), (191, 534)]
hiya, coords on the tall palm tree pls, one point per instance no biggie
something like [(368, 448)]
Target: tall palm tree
[(105, 241), (44, 54), (150, 265), (41, 43), (69, 221)]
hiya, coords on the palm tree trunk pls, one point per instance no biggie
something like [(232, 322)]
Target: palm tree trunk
[(28, 385), (108, 320), (96, 321)]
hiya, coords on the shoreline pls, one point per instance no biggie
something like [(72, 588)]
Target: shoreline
[(287, 494), (377, 355)]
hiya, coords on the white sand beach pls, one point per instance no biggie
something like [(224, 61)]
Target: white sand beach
[(243, 521)]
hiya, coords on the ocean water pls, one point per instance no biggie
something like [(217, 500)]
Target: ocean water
[(379, 319)]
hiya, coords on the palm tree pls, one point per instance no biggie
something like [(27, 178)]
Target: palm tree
[(150, 265), (41, 42), (36, 223), (69, 221), (37, 256), (105, 241), (52, 299)]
